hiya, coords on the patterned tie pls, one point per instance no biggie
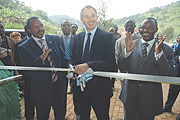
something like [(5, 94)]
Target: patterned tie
[(67, 47), (144, 52), (54, 75), (86, 49)]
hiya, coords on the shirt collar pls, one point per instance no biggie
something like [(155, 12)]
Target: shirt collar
[(92, 31), (64, 36), (36, 39), (132, 35), (151, 42)]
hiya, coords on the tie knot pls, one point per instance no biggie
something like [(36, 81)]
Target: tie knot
[(67, 38), (145, 44), (41, 40), (89, 34)]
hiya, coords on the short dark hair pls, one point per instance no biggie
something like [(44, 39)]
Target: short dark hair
[(75, 25), (87, 6), (115, 26), (131, 20), (150, 18), (29, 21), (66, 20)]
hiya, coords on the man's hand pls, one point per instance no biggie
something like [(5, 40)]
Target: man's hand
[(158, 48), (45, 54), (129, 42), (81, 68)]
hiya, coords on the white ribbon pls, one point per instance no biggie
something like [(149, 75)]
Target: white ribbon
[(139, 77)]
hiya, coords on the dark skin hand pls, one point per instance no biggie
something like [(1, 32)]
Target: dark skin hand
[(158, 47), (45, 54), (129, 42), (130, 45)]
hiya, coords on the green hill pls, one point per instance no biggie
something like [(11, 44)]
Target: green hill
[(59, 18), (168, 18)]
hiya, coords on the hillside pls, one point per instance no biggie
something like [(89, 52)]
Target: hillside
[(168, 18), (59, 18)]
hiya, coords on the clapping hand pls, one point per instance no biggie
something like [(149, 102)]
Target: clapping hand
[(158, 47), (129, 42)]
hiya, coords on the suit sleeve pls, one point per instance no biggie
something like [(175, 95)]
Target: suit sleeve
[(107, 63), (28, 59), (165, 64)]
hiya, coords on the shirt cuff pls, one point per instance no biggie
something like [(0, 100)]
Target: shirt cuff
[(127, 53), (158, 56)]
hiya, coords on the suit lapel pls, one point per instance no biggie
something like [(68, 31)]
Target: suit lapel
[(138, 48), (62, 42), (34, 46), (95, 41), (81, 43)]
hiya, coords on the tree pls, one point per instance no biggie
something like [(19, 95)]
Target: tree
[(103, 23), (169, 32), (41, 14)]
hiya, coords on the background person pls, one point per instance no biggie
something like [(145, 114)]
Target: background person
[(173, 89), (16, 36), (159, 36), (74, 28), (116, 34)]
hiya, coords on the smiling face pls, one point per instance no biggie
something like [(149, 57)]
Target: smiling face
[(148, 29), (89, 19), (37, 28)]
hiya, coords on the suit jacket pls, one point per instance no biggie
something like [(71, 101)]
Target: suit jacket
[(176, 56), (120, 45), (102, 58), (16, 52), (151, 93), (41, 81)]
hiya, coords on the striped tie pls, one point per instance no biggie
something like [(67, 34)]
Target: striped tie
[(144, 52), (54, 75), (67, 48)]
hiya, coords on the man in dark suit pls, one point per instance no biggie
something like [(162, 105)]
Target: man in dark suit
[(176, 73), (94, 48), (25, 84), (173, 89), (47, 87), (66, 42), (143, 100)]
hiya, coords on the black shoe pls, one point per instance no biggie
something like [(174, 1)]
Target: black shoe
[(178, 117), (167, 110)]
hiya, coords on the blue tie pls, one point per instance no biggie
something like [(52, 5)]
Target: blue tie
[(86, 49), (67, 48)]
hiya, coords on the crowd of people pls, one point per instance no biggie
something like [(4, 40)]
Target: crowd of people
[(137, 53)]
